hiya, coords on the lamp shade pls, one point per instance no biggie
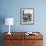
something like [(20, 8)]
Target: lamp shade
[(9, 21)]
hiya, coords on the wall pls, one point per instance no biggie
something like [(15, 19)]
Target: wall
[(11, 8)]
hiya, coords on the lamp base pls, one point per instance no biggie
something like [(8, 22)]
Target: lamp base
[(9, 33)]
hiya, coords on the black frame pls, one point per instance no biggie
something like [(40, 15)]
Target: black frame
[(26, 16)]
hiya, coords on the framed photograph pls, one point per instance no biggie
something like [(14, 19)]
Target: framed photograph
[(27, 15)]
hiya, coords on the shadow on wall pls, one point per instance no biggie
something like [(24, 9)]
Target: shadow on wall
[(1, 39), (2, 21)]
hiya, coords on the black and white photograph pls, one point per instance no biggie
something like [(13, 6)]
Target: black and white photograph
[(27, 15)]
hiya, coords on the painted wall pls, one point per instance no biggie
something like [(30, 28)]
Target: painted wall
[(11, 8)]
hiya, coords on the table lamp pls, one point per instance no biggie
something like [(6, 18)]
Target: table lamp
[(9, 21)]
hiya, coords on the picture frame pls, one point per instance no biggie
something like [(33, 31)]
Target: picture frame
[(27, 15)]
